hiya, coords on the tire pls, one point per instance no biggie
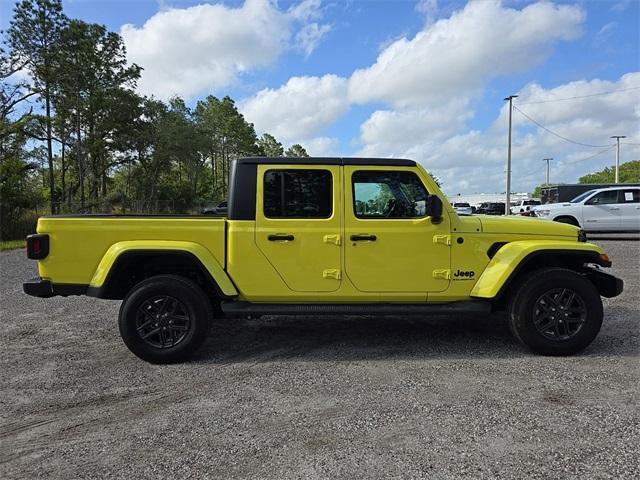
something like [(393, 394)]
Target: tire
[(165, 319), (555, 311), (568, 220)]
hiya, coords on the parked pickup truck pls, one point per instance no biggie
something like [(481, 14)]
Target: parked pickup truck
[(325, 236)]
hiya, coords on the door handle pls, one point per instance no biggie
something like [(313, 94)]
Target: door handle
[(358, 238), (281, 238), (614, 208)]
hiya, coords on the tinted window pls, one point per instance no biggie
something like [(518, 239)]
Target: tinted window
[(388, 195), (297, 194), (629, 196), (604, 198), (581, 197)]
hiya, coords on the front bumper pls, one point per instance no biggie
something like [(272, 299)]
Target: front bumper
[(608, 285), (38, 287)]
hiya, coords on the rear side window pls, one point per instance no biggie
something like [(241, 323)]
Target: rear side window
[(388, 195), (629, 196), (298, 194)]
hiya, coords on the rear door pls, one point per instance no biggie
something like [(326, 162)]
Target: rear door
[(602, 212), (629, 202), (298, 224)]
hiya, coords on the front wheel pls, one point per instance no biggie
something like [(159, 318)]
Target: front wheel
[(165, 319), (568, 221), (556, 311)]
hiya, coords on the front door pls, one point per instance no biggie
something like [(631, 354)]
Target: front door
[(391, 245), (602, 212), (298, 224)]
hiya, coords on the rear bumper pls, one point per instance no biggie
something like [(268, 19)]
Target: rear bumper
[(608, 285), (38, 287)]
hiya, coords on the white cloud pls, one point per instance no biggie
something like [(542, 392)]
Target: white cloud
[(605, 33), (473, 161), (298, 110), (429, 8), (321, 146), (306, 10), (310, 36), (188, 51), (461, 53)]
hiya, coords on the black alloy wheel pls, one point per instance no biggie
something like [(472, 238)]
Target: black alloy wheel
[(163, 321), (559, 314)]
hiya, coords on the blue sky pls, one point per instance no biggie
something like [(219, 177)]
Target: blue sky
[(432, 75)]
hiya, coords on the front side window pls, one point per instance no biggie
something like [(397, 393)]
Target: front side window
[(388, 195), (581, 197), (604, 198), (298, 193)]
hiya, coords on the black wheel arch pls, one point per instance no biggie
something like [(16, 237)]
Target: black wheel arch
[(573, 220), (576, 260), (133, 266)]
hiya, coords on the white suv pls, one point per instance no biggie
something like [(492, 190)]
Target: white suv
[(614, 209)]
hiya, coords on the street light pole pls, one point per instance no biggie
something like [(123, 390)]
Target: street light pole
[(618, 137), (547, 160), (507, 207)]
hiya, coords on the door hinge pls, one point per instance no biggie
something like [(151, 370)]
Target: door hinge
[(332, 273), (445, 239), (443, 273), (332, 239)]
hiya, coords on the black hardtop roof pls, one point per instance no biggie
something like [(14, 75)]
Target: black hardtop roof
[(394, 162)]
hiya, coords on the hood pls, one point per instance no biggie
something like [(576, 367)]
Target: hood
[(526, 225)]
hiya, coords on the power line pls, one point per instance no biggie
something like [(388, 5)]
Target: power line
[(580, 96), (557, 134), (591, 156), (627, 143)]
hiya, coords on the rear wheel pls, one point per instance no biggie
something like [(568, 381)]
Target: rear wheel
[(555, 311), (165, 318)]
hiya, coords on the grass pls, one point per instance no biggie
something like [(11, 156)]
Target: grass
[(11, 244)]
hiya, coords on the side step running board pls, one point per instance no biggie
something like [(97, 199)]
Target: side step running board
[(255, 309)]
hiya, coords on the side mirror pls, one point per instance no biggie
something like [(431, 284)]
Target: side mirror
[(434, 208)]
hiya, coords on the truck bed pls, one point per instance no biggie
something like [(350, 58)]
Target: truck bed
[(78, 242)]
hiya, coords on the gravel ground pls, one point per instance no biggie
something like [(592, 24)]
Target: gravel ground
[(337, 397)]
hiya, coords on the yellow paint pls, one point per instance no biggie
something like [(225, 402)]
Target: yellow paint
[(201, 253), (302, 261), (509, 256)]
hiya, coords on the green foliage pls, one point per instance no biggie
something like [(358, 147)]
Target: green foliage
[(12, 244), (296, 150), (91, 143), (269, 146), (436, 179), (629, 172)]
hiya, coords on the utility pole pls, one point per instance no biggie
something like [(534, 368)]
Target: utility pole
[(507, 207), (618, 137), (547, 160)]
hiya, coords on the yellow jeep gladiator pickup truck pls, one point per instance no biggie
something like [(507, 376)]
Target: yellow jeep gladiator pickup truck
[(325, 236)]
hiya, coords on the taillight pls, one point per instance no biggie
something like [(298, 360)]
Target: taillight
[(37, 246)]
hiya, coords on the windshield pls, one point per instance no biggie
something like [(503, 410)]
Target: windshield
[(461, 205), (581, 197)]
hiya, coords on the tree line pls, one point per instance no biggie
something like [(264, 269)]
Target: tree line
[(75, 136), (629, 172)]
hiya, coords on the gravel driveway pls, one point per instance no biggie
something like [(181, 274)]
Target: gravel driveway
[(335, 397)]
